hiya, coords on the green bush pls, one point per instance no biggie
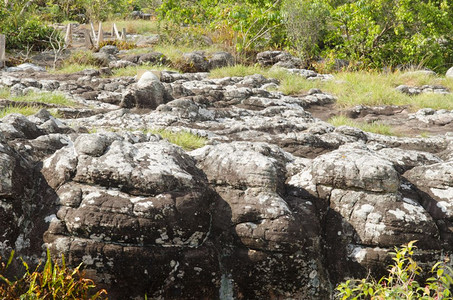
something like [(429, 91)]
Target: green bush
[(51, 281), (23, 28), (307, 25), (253, 24), (401, 281)]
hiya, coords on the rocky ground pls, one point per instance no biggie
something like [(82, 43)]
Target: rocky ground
[(278, 205)]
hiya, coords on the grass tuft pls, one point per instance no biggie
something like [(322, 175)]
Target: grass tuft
[(73, 68), (185, 139), (45, 97), (357, 88), (374, 127), (23, 110)]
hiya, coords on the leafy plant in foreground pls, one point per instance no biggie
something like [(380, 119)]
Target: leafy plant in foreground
[(401, 281), (50, 282)]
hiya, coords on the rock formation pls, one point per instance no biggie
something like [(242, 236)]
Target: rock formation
[(278, 204)]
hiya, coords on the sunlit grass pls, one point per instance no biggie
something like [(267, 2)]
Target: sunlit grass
[(374, 127), (23, 110), (132, 26), (34, 99), (73, 68), (185, 139), (175, 52), (357, 88), (237, 70)]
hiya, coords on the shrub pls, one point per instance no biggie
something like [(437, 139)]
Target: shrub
[(82, 57), (307, 25), (23, 29), (51, 281), (401, 281)]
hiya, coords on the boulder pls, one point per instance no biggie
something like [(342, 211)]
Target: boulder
[(449, 73), (148, 92), (193, 62), (269, 227), (221, 59), (136, 213), (279, 59), (149, 40)]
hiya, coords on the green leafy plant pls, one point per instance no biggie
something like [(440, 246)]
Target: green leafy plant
[(51, 281), (24, 30), (401, 282)]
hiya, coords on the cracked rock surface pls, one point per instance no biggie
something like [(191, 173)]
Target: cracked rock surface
[(277, 205)]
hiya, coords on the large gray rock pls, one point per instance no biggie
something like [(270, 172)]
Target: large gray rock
[(193, 62), (279, 59), (137, 214), (221, 59), (272, 225), (148, 92), (449, 73)]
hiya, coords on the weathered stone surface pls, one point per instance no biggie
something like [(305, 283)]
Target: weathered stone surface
[(279, 204), (119, 199), (148, 92), (221, 59), (272, 225), (193, 62), (279, 59), (359, 169)]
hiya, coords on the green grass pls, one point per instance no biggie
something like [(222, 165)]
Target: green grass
[(73, 68), (4, 93), (23, 110), (132, 26), (374, 127), (238, 70), (44, 97), (357, 88), (34, 99), (174, 52), (133, 70), (186, 140)]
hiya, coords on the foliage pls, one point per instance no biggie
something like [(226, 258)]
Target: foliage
[(23, 29), (382, 33), (252, 24), (369, 33), (401, 281), (185, 139), (306, 24), (51, 281)]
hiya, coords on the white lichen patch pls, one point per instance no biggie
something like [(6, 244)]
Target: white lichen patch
[(446, 193), (50, 218), (22, 242), (444, 206), (364, 211), (87, 260), (416, 213), (358, 254), (398, 213)]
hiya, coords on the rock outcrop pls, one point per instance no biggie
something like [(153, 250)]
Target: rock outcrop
[(278, 204)]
